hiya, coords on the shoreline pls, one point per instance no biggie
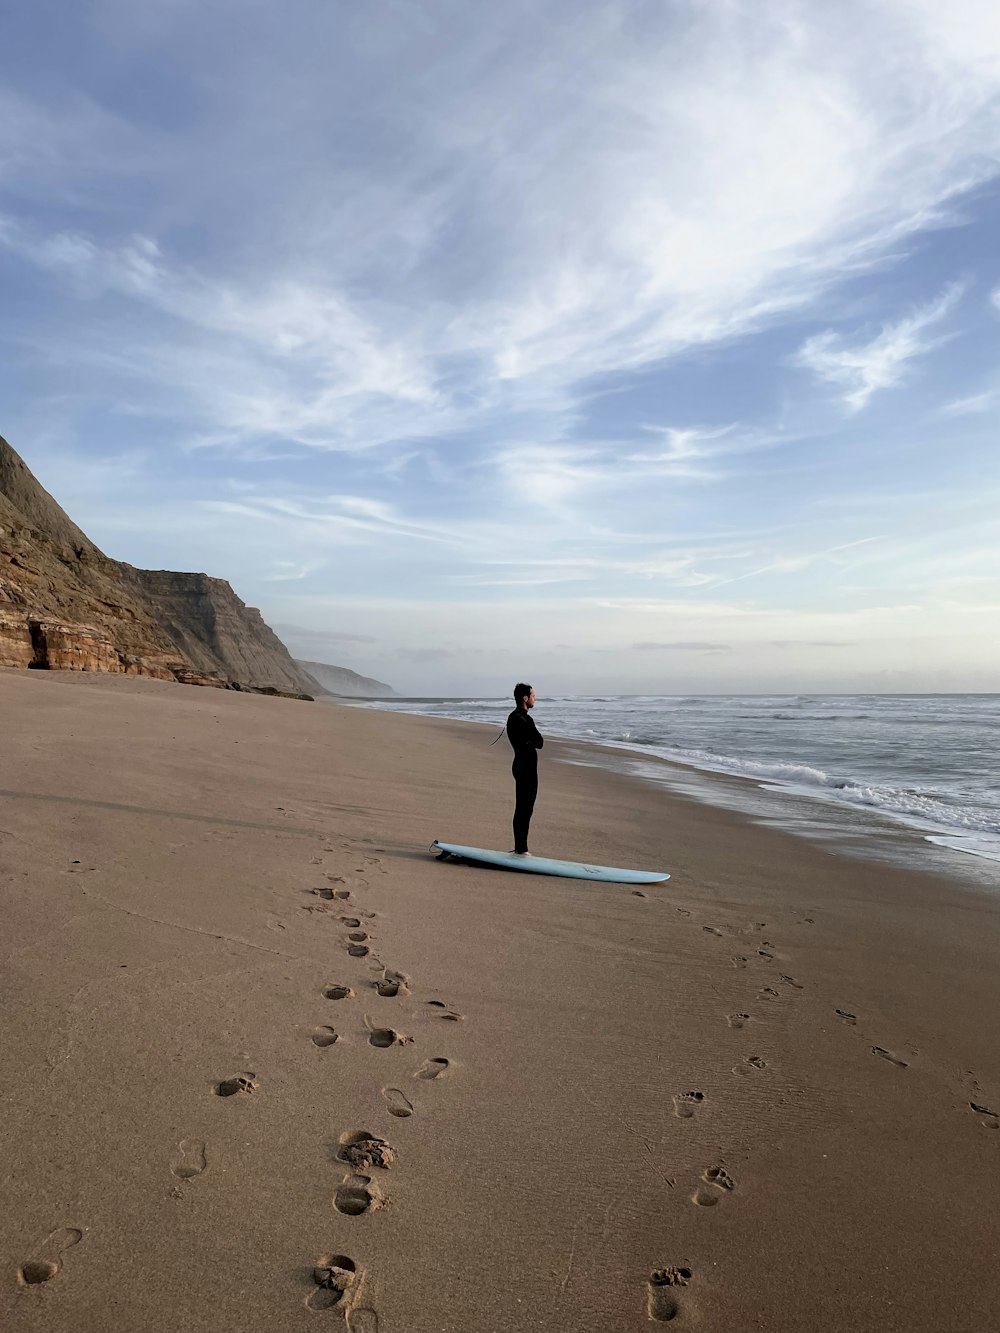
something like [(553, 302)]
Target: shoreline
[(854, 830), (182, 874)]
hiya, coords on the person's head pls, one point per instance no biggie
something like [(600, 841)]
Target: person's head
[(524, 695)]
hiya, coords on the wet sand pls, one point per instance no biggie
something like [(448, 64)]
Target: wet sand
[(267, 1065)]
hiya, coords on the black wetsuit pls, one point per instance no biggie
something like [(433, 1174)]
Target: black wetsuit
[(525, 741)]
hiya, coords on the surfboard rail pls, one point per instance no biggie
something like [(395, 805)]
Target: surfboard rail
[(543, 865)]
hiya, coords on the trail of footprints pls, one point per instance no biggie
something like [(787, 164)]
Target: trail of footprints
[(363, 1155), (336, 1281), (665, 1296)]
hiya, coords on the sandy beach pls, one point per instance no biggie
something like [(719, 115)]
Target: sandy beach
[(269, 1066)]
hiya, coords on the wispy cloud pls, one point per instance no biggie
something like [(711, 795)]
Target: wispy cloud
[(810, 643), (793, 562), (343, 517), (678, 566), (322, 636), (682, 445), (683, 647), (974, 405), (288, 571), (862, 369)]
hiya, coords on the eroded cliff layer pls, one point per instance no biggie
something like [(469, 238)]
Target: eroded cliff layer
[(65, 605)]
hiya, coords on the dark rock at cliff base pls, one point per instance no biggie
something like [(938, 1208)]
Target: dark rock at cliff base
[(66, 606), (347, 684)]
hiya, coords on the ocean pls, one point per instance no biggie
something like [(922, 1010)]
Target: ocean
[(913, 777)]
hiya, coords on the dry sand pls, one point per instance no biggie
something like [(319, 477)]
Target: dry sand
[(755, 1081)]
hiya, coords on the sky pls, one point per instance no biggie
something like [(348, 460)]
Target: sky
[(612, 345)]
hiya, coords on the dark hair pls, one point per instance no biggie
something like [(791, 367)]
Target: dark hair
[(521, 691)]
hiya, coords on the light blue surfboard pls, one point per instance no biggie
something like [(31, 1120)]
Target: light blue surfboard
[(541, 865)]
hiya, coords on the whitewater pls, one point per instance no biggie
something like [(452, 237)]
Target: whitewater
[(926, 763)]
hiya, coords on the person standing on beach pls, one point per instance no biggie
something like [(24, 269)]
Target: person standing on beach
[(525, 741)]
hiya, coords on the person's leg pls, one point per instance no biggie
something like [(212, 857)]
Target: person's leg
[(526, 789)]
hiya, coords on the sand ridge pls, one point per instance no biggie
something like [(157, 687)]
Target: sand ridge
[(272, 1066)]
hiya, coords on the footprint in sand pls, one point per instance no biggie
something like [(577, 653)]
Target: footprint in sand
[(366, 1151), (385, 1037), (391, 983), (662, 1303), (445, 1012), (351, 922), (46, 1264), (765, 953), (358, 950), (229, 1087), (333, 1276), (683, 911), (750, 1064), (355, 1196), (716, 1182), (737, 1020), (433, 1068), (888, 1055), (323, 893), (769, 993), (338, 993), (638, 893), (739, 960), (711, 930), (189, 1160), (685, 1104), (790, 981), (342, 894), (397, 1102), (991, 1119), (324, 1037), (362, 1321), (847, 1018), (358, 936)]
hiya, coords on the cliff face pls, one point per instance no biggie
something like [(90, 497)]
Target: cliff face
[(24, 499), (217, 632), (64, 605), (348, 684)]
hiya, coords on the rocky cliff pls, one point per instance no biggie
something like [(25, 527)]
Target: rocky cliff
[(64, 605), (346, 683), (216, 632)]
